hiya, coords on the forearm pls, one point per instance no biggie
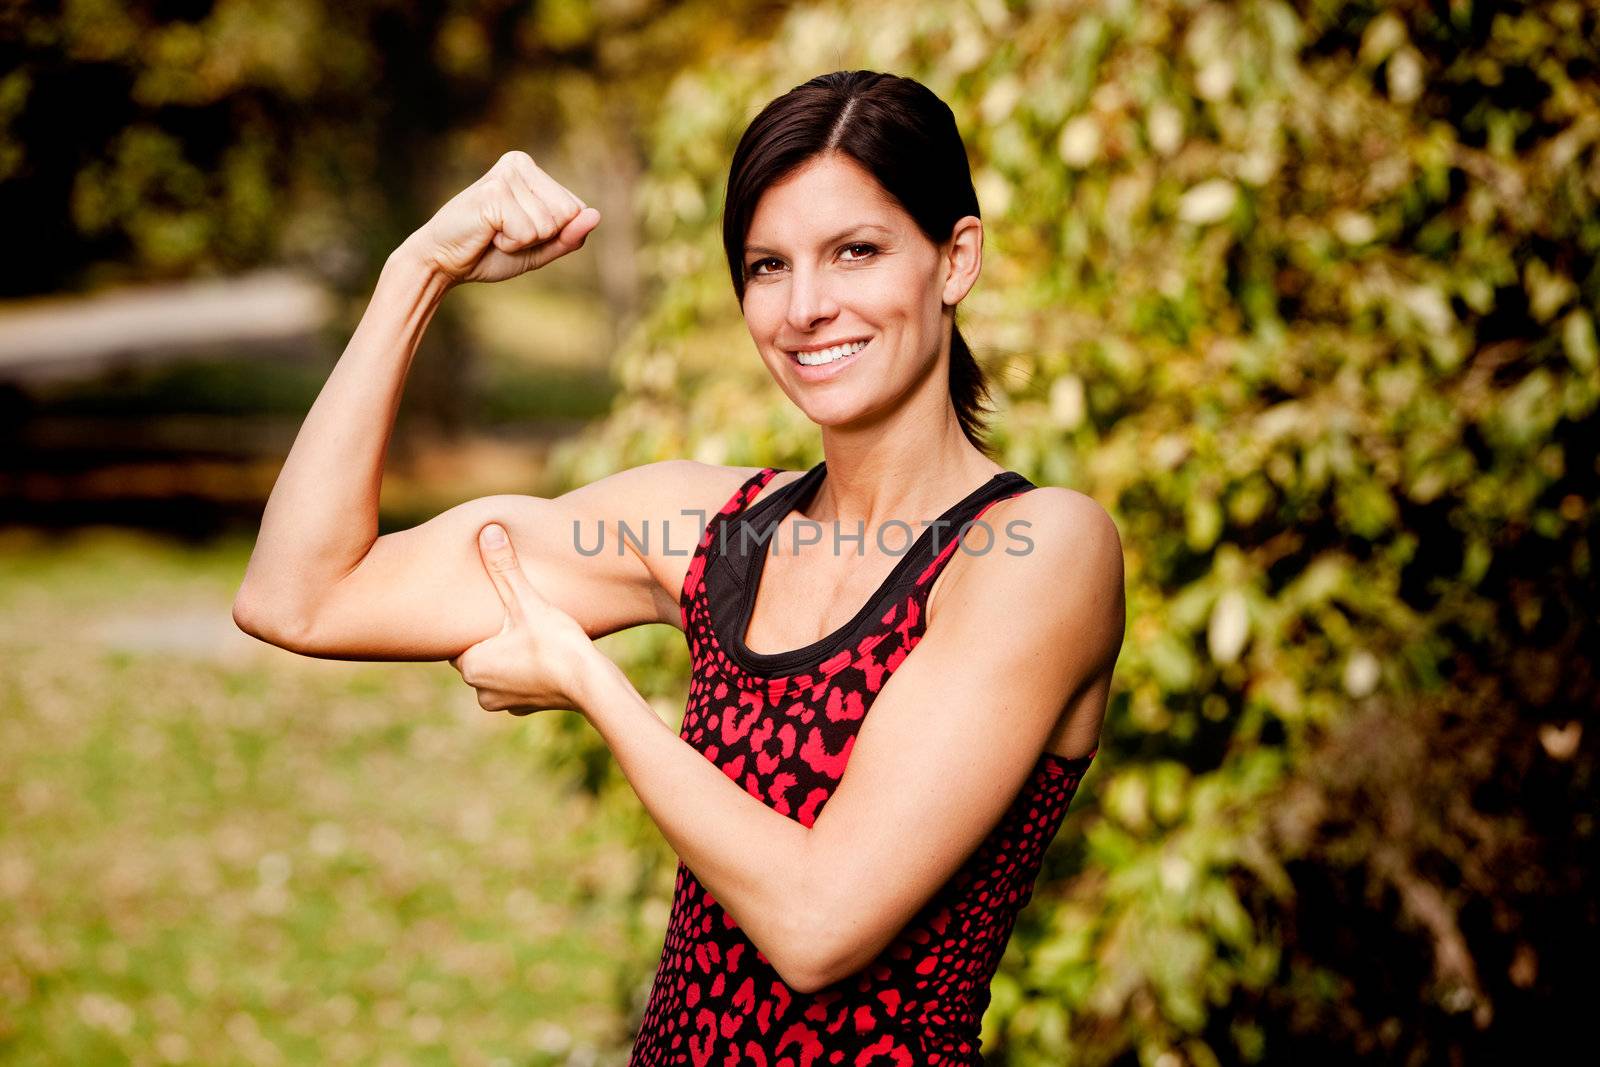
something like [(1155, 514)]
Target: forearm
[(322, 515), (751, 858)]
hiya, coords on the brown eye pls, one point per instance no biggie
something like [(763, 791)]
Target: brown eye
[(753, 270), (861, 244)]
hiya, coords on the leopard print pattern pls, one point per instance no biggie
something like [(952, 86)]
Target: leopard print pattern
[(787, 739)]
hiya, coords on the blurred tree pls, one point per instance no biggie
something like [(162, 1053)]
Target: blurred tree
[(164, 139)]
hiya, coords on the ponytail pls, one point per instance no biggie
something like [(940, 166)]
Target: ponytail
[(969, 391)]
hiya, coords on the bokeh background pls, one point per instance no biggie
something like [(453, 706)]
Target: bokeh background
[(1304, 293)]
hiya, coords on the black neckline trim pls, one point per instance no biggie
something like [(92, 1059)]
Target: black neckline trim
[(794, 495)]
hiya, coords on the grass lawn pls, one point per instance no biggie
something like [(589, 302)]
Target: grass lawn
[(216, 852)]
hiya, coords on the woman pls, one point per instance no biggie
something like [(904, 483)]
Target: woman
[(868, 932)]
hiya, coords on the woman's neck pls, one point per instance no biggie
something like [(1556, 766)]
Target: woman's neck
[(883, 477)]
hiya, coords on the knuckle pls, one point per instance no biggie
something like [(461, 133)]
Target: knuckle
[(492, 203), (526, 164)]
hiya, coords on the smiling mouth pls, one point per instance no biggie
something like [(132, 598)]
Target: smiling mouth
[(829, 356)]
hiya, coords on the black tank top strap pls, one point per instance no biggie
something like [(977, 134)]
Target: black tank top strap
[(969, 531), (745, 531), (739, 541), (712, 533), (739, 502)]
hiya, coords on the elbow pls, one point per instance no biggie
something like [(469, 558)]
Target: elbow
[(839, 942), (818, 969), (260, 620), (805, 979), (812, 964), (825, 939)]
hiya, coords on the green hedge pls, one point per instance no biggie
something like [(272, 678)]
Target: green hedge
[(1305, 296)]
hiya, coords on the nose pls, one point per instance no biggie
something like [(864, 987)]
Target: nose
[(811, 300)]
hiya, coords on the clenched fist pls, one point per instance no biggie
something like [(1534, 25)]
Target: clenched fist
[(514, 219)]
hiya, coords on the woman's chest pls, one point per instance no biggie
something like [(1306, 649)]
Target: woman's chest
[(800, 597), (787, 738)]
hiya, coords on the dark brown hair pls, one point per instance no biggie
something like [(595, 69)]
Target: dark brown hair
[(901, 134)]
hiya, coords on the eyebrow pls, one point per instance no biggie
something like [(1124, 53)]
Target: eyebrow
[(841, 235)]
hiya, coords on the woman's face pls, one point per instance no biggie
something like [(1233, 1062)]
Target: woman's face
[(830, 259)]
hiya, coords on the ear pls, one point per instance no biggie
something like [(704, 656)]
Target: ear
[(963, 259)]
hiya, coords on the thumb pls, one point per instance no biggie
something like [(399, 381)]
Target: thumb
[(572, 236), (582, 224), (570, 239), (500, 560)]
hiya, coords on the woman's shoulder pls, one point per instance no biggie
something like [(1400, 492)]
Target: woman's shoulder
[(1040, 543), (1066, 515), (711, 485), (672, 487), (1065, 519), (679, 496)]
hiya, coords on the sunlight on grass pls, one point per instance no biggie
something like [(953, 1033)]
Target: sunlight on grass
[(217, 852)]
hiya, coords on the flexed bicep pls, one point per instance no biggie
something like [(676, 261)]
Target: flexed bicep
[(423, 594)]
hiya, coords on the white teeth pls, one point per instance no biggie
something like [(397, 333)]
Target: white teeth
[(828, 355)]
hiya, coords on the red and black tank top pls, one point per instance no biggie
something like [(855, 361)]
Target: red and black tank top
[(782, 725)]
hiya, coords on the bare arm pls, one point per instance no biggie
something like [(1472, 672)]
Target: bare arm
[(321, 520), (423, 594), (322, 515)]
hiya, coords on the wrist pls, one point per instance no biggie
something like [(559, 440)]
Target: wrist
[(592, 677), (410, 261)]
